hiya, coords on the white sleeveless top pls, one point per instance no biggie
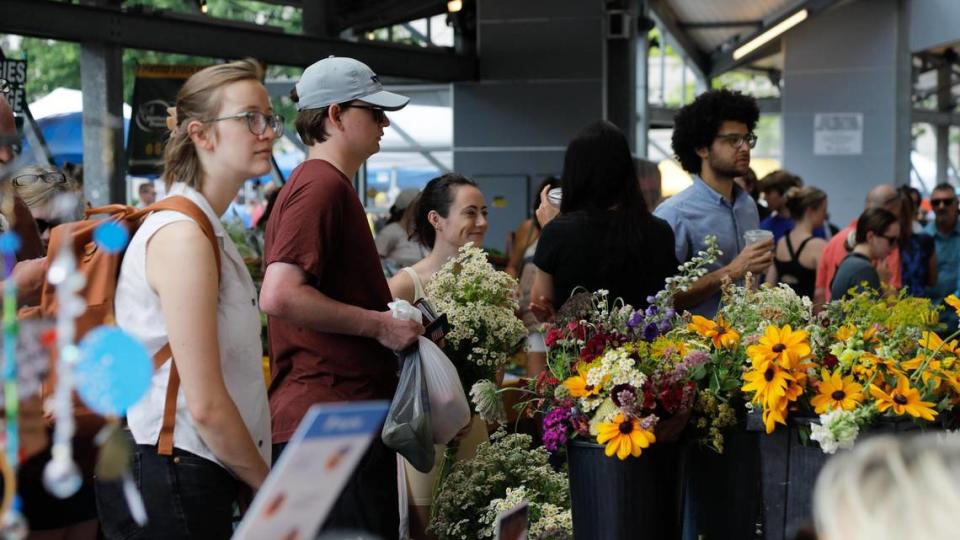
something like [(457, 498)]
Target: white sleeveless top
[(238, 321), (418, 291)]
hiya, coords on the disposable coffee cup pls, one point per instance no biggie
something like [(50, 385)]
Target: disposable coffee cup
[(554, 196), (754, 236)]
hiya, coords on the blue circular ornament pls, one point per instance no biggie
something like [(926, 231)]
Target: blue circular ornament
[(111, 236), (113, 372), (9, 243)]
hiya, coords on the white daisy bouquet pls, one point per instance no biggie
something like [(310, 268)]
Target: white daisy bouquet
[(480, 305)]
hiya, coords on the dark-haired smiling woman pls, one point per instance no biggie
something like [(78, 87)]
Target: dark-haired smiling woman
[(604, 237), (449, 213)]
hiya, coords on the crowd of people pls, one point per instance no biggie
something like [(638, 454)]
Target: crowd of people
[(325, 289)]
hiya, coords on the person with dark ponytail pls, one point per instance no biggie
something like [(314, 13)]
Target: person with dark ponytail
[(449, 213), (604, 236), (798, 251)]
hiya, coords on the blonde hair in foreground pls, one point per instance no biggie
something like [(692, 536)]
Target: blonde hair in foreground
[(892, 488), (199, 99)]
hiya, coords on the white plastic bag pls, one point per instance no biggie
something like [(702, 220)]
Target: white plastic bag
[(449, 409), (403, 310)]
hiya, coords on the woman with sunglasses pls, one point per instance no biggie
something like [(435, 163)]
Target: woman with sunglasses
[(877, 233), (170, 293)]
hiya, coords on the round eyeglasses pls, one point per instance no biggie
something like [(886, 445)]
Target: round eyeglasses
[(737, 140), (257, 122), (49, 178)]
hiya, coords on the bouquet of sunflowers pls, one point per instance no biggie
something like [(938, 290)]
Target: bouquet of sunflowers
[(864, 358)]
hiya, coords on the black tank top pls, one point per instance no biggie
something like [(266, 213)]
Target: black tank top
[(800, 278)]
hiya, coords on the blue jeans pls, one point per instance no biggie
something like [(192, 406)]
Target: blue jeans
[(185, 495)]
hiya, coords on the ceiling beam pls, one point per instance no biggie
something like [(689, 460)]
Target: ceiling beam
[(706, 25), (205, 36), (668, 21), (722, 60), (384, 14)]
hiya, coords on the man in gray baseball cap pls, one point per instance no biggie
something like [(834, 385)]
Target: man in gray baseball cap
[(331, 335), (339, 80)]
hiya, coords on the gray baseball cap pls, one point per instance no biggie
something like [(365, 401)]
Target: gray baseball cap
[(338, 80)]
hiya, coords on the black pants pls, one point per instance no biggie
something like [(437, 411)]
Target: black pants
[(368, 501), (185, 495)]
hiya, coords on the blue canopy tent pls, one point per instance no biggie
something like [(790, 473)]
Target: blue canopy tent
[(63, 134)]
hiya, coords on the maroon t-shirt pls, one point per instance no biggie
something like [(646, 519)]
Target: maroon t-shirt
[(319, 225)]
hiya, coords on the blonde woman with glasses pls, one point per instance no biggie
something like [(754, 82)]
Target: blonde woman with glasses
[(170, 294)]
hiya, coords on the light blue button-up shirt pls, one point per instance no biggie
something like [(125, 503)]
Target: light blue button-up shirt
[(948, 261), (698, 211)]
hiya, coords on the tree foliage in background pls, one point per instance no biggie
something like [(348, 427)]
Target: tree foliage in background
[(54, 64)]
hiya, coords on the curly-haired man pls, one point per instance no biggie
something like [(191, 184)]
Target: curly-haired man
[(712, 138)]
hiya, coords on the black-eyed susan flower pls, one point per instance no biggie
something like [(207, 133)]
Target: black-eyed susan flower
[(768, 381), (719, 332), (837, 392), (786, 346), (775, 414), (931, 365), (846, 332), (578, 385), (933, 343), (624, 436), (903, 399), (953, 302)]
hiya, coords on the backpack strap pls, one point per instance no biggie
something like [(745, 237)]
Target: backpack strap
[(185, 206)]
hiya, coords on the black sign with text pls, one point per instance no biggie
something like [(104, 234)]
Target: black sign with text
[(13, 83), (154, 90)]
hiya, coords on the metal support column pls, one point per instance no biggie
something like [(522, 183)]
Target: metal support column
[(942, 131), (320, 19), (642, 95), (620, 87), (101, 79)]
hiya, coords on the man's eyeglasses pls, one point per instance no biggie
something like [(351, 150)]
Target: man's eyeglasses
[(379, 115), (936, 203), (257, 122), (737, 140), (29, 179), (892, 239)]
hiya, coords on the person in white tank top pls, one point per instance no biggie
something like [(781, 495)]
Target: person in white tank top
[(222, 132), (450, 213)]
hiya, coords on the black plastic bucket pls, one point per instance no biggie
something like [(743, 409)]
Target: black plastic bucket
[(635, 499)]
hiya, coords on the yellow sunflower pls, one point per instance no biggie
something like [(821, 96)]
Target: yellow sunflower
[(578, 386), (777, 414), (783, 345), (769, 382), (903, 399), (624, 437), (933, 369), (846, 332), (837, 392), (720, 332), (701, 325), (954, 302), (933, 343)]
